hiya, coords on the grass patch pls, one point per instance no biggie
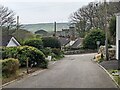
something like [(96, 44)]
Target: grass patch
[(117, 79), (115, 75)]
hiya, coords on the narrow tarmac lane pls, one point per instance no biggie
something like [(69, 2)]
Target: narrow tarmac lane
[(74, 71)]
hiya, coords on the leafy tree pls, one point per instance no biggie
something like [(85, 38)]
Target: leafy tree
[(92, 37), (51, 42)]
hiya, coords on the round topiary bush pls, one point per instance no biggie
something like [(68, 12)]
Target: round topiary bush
[(9, 66), (35, 43), (92, 37), (22, 53), (51, 42)]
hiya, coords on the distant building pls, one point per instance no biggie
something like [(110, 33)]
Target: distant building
[(9, 41), (75, 43), (68, 38), (70, 32), (64, 41), (67, 42), (41, 32)]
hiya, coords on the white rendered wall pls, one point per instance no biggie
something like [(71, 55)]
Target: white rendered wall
[(117, 35)]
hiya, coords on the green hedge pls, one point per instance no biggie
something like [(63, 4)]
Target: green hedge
[(9, 66), (23, 53), (47, 51), (51, 42), (35, 43)]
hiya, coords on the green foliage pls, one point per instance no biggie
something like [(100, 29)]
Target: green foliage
[(112, 29), (92, 37), (37, 43), (9, 66), (23, 53), (56, 51), (47, 51), (51, 42), (57, 54)]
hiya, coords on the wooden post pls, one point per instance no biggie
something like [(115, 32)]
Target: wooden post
[(27, 65)]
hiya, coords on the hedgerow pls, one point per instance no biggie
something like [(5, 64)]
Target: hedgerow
[(22, 53)]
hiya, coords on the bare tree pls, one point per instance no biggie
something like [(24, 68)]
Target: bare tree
[(85, 18), (92, 15), (6, 17)]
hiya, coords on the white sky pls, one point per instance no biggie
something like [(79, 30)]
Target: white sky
[(39, 11)]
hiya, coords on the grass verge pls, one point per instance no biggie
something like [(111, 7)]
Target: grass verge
[(115, 75)]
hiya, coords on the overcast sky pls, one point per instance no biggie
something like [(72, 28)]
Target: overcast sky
[(39, 11)]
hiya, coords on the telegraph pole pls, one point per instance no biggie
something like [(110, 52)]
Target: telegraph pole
[(106, 32), (55, 29), (17, 24)]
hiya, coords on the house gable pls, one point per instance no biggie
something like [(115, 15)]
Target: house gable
[(13, 42)]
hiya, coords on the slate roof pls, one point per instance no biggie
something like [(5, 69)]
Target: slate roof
[(5, 40), (77, 43), (63, 40)]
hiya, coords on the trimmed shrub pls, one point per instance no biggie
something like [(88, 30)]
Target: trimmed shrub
[(22, 53), (47, 51), (37, 43), (92, 37), (51, 42), (9, 67)]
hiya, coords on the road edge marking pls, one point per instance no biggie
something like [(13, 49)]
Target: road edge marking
[(109, 75)]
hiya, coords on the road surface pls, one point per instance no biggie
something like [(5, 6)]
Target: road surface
[(74, 71)]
